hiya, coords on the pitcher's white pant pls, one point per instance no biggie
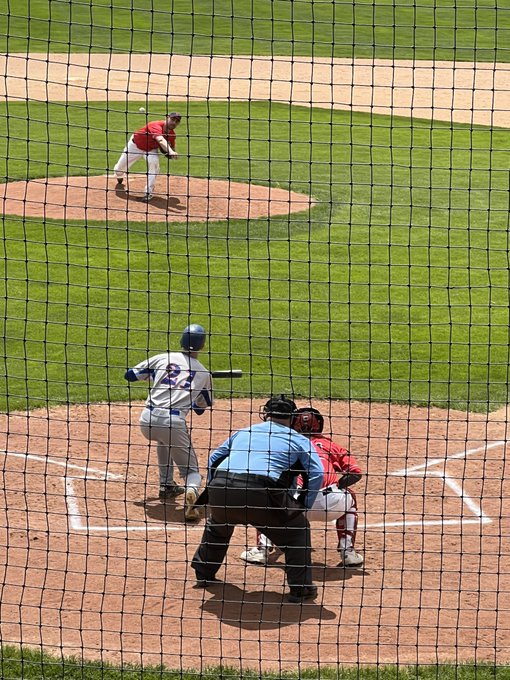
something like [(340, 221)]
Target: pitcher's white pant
[(130, 155), (331, 503), (173, 446)]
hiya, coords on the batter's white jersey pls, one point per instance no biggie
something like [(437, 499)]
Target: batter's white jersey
[(178, 381)]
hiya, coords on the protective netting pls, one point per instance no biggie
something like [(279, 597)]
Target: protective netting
[(336, 219)]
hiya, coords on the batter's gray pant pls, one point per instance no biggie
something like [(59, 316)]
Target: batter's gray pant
[(173, 446)]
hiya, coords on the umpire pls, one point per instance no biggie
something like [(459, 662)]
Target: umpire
[(251, 479)]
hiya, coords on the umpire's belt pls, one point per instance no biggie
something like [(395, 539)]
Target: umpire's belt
[(172, 411), (249, 480)]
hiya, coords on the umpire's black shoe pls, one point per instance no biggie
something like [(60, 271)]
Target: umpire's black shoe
[(207, 582), (302, 593), (167, 491)]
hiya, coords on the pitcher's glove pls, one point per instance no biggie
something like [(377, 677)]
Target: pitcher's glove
[(169, 154)]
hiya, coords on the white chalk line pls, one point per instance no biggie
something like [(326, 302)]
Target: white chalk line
[(77, 523), (101, 474), (462, 454), (458, 489), (71, 498)]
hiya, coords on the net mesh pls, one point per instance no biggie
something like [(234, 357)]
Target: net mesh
[(336, 218)]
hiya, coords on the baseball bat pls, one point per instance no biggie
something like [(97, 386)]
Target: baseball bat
[(232, 373)]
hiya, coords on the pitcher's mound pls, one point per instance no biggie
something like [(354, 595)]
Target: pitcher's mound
[(176, 199)]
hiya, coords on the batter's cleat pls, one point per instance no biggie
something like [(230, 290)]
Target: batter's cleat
[(301, 593), (167, 491), (350, 558), (146, 198), (190, 512), (259, 555), (120, 185)]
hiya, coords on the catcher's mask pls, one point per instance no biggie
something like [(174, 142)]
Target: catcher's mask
[(193, 338), (279, 407), (307, 420)]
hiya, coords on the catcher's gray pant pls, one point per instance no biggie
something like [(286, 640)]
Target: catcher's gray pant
[(173, 446), (130, 155)]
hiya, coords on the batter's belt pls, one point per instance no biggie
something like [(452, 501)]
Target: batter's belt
[(171, 411)]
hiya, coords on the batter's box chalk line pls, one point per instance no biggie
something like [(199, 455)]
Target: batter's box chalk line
[(78, 521), (424, 470)]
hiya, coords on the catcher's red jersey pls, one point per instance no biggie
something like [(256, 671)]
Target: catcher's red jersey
[(335, 459)]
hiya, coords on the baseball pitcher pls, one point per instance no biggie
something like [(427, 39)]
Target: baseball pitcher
[(148, 142)]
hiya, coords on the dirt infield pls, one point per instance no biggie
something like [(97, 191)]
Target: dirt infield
[(176, 199), (461, 92), (95, 565)]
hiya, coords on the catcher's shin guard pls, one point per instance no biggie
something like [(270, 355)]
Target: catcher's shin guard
[(346, 526), (263, 542)]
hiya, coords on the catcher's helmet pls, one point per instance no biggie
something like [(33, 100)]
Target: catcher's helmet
[(193, 338), (280, 407), (307, 420)]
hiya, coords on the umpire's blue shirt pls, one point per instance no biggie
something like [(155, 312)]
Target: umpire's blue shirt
[(271, 450)]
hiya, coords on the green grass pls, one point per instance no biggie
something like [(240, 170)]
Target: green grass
[(474, 30), (395, 289), (34, 665)]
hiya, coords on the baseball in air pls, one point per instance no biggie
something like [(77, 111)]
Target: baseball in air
[(141, 109)]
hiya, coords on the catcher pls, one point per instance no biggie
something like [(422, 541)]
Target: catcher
[(148, 142), (335, 500)]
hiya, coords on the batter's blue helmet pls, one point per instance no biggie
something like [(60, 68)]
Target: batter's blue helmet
[(193, 338)]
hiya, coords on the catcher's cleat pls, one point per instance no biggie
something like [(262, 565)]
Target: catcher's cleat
[(350, 558), (301, 593), (254, 556), (120, 185), (190, 512), (260, 555), (171, 490), (146, 198)]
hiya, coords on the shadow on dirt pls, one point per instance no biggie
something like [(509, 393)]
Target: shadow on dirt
[(169, 512), (260, 610), (168, 204)]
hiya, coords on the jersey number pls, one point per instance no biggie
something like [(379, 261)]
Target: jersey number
[(173, 371)]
